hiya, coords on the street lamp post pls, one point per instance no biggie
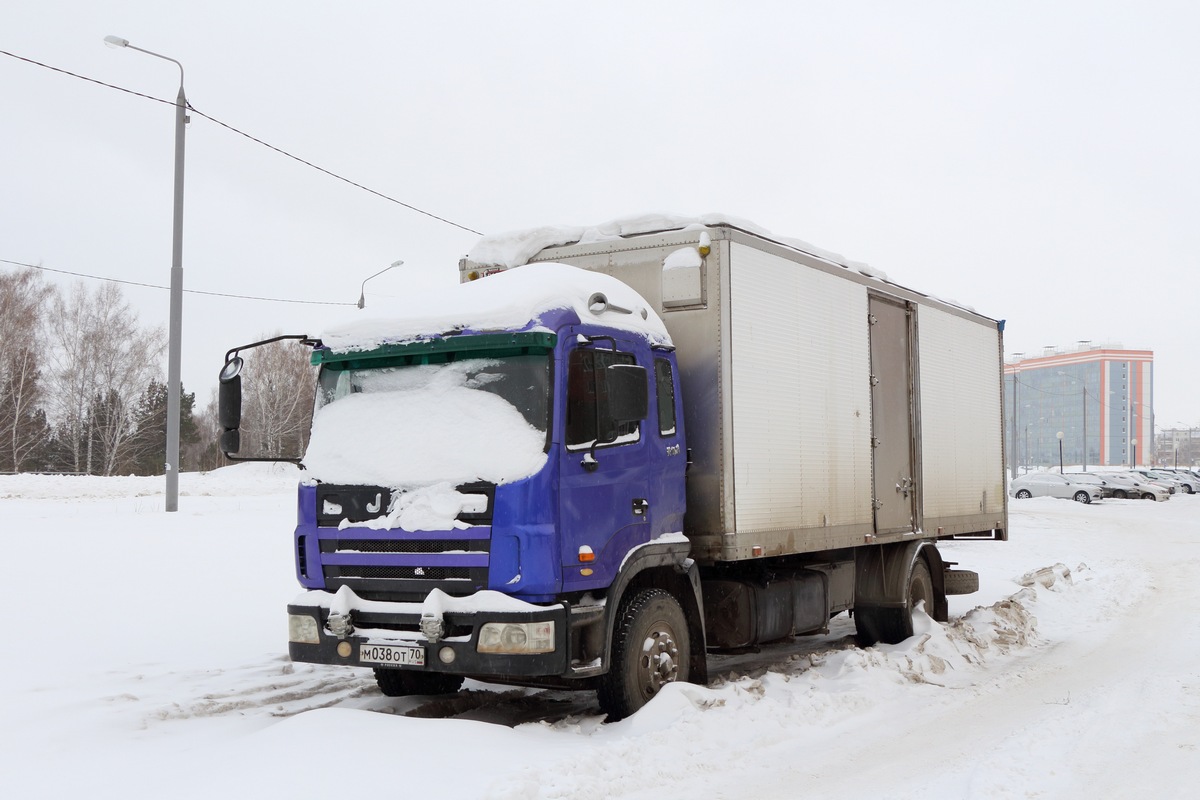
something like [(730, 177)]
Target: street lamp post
[(1133, 453), (362, 297), (175, 325), (1060, 458)]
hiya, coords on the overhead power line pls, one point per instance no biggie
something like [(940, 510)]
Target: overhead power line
[(189, 291), (254, 139)]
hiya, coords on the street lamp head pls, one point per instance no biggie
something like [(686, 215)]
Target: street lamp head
[(1059, 435), (116, 41), (362, 297)]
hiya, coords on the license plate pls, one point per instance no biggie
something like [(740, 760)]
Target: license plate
[(400, 654)]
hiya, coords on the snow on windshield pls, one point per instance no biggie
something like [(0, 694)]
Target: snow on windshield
[(419, 426)]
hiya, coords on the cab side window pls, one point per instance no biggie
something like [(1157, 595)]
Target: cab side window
[(665, 387), (587, 395)]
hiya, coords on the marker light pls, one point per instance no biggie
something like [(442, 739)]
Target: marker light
[(585, 554)]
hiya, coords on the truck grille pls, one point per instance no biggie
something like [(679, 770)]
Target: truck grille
[(401, 573), (401, 545), (394, 566)]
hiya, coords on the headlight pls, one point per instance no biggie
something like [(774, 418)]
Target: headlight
[(516, 637), (303, 629)]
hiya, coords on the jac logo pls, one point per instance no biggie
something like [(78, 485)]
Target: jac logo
[(673, 450)]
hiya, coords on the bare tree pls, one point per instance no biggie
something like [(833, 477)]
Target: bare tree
[(102, 361), (23, 297), (278, 390)]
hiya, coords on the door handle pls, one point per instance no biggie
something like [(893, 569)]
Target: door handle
[(640, 506)]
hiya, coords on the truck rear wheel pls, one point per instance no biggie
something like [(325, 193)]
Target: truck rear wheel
[(650, 649), (401, 683), (894, 625)]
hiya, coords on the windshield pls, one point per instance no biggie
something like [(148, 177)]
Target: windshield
[(458, 419), (522, 381)]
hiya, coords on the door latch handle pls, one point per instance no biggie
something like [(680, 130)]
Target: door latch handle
[(640, 506)]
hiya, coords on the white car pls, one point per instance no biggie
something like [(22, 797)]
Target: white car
[(1174, 486), (1185, 479), (1049, 484)]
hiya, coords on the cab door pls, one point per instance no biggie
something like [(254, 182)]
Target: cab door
[(604, 497)]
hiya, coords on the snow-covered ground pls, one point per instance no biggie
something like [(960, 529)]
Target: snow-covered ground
[(144, 656)]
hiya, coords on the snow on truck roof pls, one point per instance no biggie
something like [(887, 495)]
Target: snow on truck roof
[(538, 297), (517, 247)]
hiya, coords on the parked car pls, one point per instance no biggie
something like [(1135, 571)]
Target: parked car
[(1107, 489), (1190, 483), (1048, 484), (1174, 486), (1126, 485)]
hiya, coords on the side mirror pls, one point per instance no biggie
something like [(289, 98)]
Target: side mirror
[(231, 441), (628, 396), (229, 404)]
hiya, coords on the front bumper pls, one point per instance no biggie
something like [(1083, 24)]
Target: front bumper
[(455, 651)]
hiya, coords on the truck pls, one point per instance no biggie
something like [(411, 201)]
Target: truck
[(610, 452)]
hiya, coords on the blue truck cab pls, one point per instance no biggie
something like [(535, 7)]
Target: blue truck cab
[(522, 578)]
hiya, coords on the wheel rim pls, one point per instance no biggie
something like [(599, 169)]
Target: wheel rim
[(1082, 497), (920, 587), (918, 593), (1023, 494), (659, 663)]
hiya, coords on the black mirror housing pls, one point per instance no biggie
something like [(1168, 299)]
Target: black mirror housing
[(628, 393), (229, 403), (231, 441)]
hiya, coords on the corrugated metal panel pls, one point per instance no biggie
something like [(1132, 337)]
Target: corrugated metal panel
[(961, 434), (801, 395)]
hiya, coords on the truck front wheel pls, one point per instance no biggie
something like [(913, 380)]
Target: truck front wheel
[(401, 683), (650, 649)]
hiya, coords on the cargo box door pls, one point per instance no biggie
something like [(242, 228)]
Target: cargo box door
[(891, 415)]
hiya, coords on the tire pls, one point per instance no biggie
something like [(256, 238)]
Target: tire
[(894, 625), (651, 648), (402, 682), (961, 581), (1024, 494), (1149, 496), (1082, 497), (1121, 494)]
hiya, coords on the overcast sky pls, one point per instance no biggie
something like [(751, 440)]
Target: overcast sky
[(1037, 161)]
